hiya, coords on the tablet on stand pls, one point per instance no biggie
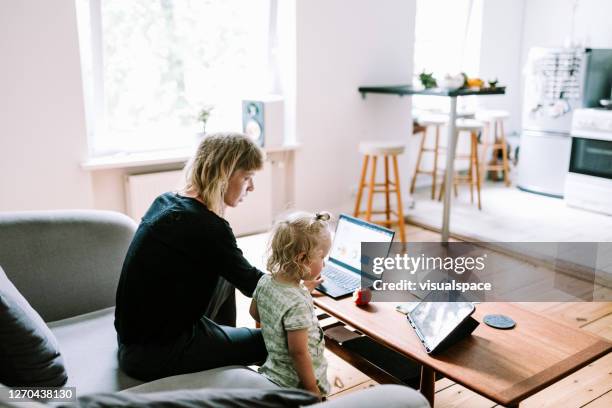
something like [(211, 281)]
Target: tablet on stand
[(441, 324)]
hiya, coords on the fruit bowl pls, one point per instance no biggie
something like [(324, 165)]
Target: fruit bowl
[(451, 82)]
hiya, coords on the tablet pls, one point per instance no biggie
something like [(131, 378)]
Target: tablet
[(434, 322)]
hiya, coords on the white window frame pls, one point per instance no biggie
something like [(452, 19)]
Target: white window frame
[(92, 63)]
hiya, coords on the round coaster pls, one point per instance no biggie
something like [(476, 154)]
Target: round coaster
[(499, 321)]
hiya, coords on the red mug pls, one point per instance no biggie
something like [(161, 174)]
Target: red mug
[(362, 296)]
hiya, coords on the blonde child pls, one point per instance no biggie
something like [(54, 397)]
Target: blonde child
[(284, 306)]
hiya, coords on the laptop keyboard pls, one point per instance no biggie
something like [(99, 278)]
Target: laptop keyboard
[(345, 280)]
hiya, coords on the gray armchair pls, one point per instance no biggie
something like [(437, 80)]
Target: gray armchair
[(67, 264)]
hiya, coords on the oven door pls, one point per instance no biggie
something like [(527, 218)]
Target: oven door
[(591, 157)]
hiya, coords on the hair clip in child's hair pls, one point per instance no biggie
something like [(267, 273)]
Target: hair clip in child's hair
[(322, 216)]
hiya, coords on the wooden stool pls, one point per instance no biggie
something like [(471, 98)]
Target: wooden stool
[(473, 176), (494, 120), (427, 121), (373, 150)]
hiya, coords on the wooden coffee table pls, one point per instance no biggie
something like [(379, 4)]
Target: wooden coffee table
[(505, 366)]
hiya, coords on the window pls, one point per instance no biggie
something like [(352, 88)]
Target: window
[(447, 41), (150, 65)]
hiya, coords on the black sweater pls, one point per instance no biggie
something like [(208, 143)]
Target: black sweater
[(172, 267)]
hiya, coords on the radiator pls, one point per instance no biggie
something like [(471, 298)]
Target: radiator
[(253, 215), (141, 189)]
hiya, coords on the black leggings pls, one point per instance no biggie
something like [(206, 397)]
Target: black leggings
[(210, 343)]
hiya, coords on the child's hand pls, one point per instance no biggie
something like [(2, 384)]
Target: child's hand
[(312, 284)]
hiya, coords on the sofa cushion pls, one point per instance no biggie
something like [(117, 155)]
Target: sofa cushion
[(222, 377), (203, 398), (29, 353), (89, 347)]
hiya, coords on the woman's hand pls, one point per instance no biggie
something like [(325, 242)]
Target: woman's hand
[(312, 284)]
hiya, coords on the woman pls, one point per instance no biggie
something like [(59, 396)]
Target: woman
[(175, 301)]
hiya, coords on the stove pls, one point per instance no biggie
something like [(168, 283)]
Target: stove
[(595, 121), (588, 183)]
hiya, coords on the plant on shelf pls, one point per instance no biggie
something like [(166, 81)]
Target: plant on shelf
[(203, 115), (428, 80)]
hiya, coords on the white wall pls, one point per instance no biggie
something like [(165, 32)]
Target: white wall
[(42, 126), (548, 23), (342, 44), (500, 55)]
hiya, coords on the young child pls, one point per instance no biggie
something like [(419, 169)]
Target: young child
[(284, 307)]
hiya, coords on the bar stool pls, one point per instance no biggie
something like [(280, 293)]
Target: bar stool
[(426, 122), (473, 176), (494, 120), (386, 150)]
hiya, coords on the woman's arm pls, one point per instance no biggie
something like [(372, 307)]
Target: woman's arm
[(231, 263), (297, 343), (253, 311)]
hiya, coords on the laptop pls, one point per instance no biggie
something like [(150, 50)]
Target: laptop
[(342, 272)]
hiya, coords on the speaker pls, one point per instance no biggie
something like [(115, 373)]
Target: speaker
[(262, 120)]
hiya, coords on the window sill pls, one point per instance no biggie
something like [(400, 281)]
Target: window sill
[(175, 156)]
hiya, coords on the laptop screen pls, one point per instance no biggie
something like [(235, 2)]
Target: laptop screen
[(350, 233)]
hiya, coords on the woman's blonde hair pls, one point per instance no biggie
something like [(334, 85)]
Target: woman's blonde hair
[(218, 156), (299, 233)]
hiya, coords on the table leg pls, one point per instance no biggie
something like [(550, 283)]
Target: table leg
[(450, 161), (428, 383)]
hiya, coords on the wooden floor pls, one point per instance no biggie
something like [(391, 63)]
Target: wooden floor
[(589, 387), (512, 215)]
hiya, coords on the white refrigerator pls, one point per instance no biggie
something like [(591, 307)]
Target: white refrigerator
[(557, 81)]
